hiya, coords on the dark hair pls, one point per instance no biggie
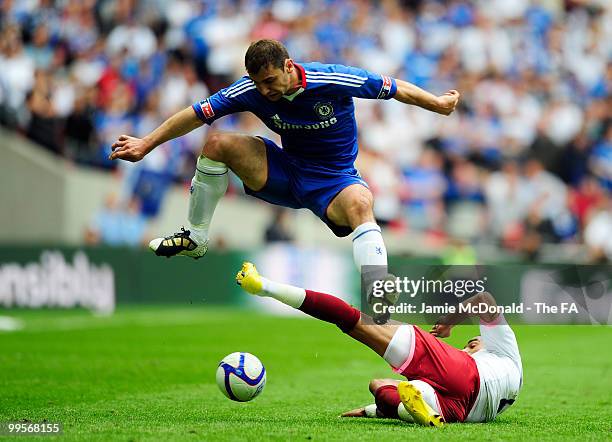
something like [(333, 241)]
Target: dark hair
[(263, 53)]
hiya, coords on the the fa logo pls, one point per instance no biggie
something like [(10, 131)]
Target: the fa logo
[(379, 250), (385, 89), (207, 109), (191, 189), (324, 110)]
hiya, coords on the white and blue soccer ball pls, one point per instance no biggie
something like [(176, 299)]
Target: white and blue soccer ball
[(241, 376)]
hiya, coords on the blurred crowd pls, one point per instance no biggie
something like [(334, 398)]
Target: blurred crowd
[(525, 160)]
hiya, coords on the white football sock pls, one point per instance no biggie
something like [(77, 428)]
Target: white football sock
[(370, 410), (285, 293), (428, 396), (368, 246), (207, 187), (403, 414)]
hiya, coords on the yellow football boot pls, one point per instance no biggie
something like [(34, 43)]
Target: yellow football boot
[(248, 278), (412, 398)]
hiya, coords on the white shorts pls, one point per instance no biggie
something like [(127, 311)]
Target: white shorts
[(401, 347)]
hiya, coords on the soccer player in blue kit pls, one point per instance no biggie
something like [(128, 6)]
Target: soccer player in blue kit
[(310, 105)]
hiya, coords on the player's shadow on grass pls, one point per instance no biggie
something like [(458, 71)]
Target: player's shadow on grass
[(366, 421)]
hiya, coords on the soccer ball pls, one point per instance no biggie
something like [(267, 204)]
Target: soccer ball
[(241, 376)]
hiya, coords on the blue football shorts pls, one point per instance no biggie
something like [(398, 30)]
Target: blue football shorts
[(294, 183)]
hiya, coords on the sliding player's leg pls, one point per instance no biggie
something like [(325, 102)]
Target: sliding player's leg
[(451, 372), (393, 342), (244, 155), (421, 408), (396, 344), (420, 401), (325, 307), (387, 402), (418, 355), (318, 305)]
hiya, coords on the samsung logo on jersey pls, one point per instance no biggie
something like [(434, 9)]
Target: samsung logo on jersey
[(280, 124)]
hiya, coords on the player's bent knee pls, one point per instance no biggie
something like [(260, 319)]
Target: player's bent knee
[(360, 207), (215, 147), (374, 384)]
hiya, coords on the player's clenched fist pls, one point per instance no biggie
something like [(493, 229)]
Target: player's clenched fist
[(129, 149), (448, 102)]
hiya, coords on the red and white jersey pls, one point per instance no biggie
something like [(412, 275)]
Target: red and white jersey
[(500, 370)]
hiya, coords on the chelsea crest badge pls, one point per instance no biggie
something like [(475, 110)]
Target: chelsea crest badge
[(324, 110)]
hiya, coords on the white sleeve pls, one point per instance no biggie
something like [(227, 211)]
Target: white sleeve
[(498, 338)]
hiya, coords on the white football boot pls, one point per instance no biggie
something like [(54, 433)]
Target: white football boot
[(179, 244)]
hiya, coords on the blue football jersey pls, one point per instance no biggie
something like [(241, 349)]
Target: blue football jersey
[(316, 124)]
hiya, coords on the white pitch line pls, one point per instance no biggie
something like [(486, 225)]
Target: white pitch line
[(142, 319), (9, 324)]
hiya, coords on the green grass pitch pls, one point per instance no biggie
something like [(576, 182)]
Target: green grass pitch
[(148, 373)]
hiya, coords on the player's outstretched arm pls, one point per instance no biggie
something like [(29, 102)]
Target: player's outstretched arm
[(410, 94), (368, 411), (134, 149), (442, 329), (357, 412)]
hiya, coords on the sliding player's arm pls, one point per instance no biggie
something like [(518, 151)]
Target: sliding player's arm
[(134, 149), (410, 94), (443, 327), (367, 411)]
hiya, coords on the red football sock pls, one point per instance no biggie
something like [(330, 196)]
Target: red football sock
[(330, 309), (387, 400)]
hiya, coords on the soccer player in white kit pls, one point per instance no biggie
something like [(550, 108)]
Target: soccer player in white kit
[(500, 369), (444, 384)]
